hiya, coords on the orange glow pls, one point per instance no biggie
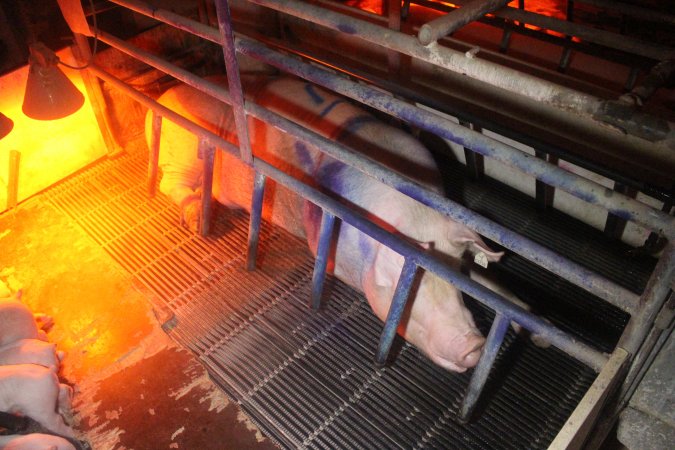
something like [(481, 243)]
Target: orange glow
[(373, 6), (50, 150)]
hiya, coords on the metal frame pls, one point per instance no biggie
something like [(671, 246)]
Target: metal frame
[(643, 308)]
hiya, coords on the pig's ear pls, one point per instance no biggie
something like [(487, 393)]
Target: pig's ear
[(474, 244), (387, 266)]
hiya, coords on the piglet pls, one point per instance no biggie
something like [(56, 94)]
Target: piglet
[(35, 441), (17, 322), (31, 351), (437, 322), (34, 391)]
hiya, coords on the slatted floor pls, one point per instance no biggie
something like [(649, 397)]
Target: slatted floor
[(306, 378)]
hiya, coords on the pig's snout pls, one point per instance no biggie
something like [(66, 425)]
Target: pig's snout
[(472, 351)]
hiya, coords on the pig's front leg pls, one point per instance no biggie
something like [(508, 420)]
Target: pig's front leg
[(33, 391), (30, 351), (35, 441), (489, 280)]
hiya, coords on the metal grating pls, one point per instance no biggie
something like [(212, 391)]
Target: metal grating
[(307, 379)]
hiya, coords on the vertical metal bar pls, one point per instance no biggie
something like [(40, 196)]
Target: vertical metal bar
[(544, 192), (396, 309), (482, 370), (13, 179), (322, 254), (394, 23), (475, 163), (207, 152), (254, 222), (233, 79), (614, 225), (506, 38), (153, 158)]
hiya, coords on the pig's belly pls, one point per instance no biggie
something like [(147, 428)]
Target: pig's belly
[(233, 187)]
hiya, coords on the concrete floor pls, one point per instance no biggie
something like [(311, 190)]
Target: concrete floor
[(134, 387)]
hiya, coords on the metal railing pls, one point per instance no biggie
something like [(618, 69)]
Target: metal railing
[(642, 308)]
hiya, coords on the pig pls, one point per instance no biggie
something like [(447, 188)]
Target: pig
[(17, 322), (437, 321), (31, 351), (34, 391), (35, 441)]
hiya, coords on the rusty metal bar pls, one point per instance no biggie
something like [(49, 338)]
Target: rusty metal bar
[(453, 21), (636, 12), (207, 152), (322, 256), (233, 79), (153, 158), (255, 219)]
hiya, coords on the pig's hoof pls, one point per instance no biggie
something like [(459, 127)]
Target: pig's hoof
[(191, 213), (43, 321)]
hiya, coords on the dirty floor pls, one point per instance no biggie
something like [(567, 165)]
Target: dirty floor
[(134, 387)]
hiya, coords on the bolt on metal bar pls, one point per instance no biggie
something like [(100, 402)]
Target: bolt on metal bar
[(480, 373), (580, 187), (453, 21), (322, 255), (233, 79), (255, 219), (491, 299), (207, 152), (396, 309), (153, 158)]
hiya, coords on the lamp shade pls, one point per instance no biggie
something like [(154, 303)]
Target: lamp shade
[(6, 125), (49, 93)]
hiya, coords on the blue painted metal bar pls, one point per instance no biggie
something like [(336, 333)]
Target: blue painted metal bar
[(322, 255), (598, 285), (580, 187), (233, 79), (207, 152), (153, 157), (555, 336), (482, 370), (254, 221), (398, 304), (536, 325), (621, 206)]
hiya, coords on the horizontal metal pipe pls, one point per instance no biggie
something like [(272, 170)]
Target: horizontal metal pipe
[(165, 112), (214, 90), (576, 274), (592, 282), (513, 312), (171, 18), (575, 185), (453, 21), (633, 11), (589, 191), (494, 74), (600, 37), (536, 325)]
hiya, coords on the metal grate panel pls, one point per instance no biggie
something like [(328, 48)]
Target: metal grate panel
[(307, 378)]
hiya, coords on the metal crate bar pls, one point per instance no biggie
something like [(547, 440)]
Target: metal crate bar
[(453, 21), (580, 187), (578, 275), (586, 190)]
